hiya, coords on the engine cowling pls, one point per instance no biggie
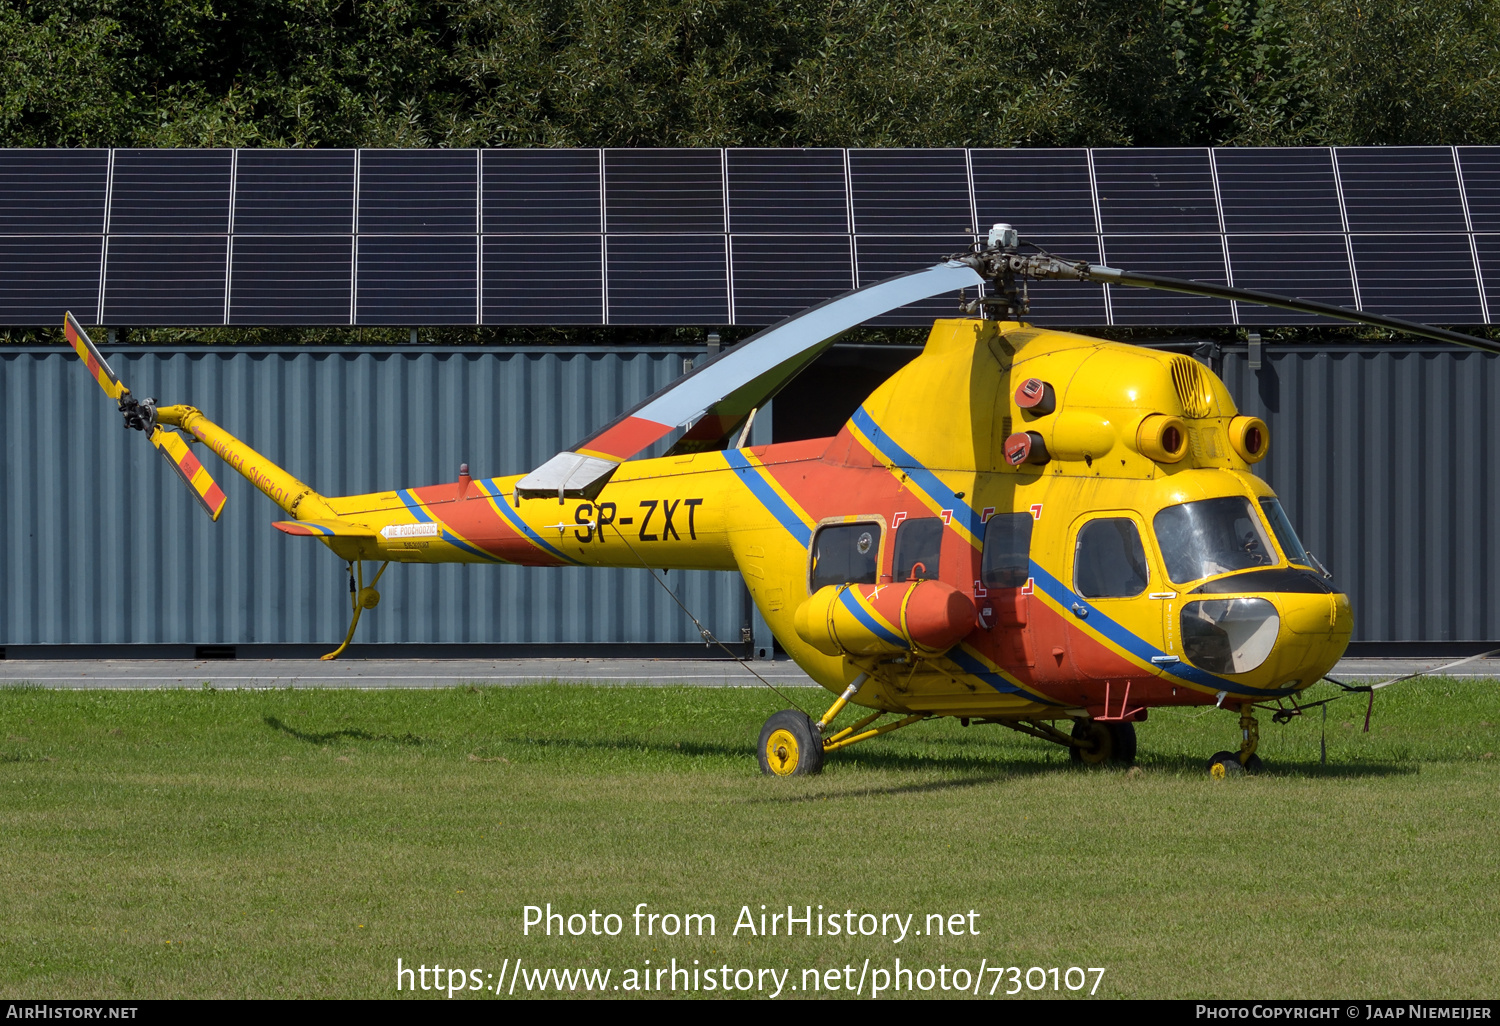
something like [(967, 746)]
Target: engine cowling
[(926, 617)]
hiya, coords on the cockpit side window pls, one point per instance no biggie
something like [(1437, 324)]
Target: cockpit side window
[(1109, 560), (846, 554), (919, 544), (1006, 562), (1281, 524)]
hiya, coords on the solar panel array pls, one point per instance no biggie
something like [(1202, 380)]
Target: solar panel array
[(737, 236)]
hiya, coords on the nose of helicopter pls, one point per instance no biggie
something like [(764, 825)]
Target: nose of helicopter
[(1314, 633), (1270, 641)]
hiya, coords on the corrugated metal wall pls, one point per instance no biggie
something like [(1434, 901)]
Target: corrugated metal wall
[(101, 546), (1385, 458)]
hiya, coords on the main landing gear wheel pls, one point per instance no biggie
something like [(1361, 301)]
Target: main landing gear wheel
[(1227, 764), (1103, 743), (789, 746)]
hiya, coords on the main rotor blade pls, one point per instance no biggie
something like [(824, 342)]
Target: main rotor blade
[(208, 493), (84, 347), (720, 393), (1113, 276), (699, 392)]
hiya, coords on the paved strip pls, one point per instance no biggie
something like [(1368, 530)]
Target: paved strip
[(1367, 670), (444, 673), (390, 673)]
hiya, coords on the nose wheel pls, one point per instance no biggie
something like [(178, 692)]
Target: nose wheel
[(1237, 764)]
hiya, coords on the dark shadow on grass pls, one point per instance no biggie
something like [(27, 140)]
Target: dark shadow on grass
[(1301, 768), (868, 758), (623, 745), (924, 787), (1334, 770), (347, 734), (977, 769)]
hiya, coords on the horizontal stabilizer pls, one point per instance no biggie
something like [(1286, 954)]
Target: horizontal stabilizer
[(324, 528), (567, 475)]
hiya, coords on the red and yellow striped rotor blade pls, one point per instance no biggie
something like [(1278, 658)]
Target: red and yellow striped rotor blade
[(172, 446), (84, 347)]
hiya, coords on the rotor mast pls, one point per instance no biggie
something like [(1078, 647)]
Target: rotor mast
[(1001, 262)]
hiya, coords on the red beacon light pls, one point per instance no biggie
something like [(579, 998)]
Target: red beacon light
[(1036, 397)]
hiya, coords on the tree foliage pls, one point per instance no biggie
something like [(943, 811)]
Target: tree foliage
[(746, 72)]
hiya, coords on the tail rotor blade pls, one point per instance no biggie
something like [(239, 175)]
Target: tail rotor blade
[(84, 347), (209, 495), (141, 415)]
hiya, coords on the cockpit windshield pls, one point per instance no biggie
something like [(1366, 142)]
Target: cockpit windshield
[(1212, 536)]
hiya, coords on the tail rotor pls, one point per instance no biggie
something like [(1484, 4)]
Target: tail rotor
[(140, 414)]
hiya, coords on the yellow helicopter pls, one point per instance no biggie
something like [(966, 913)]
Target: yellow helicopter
[(1023, 527)]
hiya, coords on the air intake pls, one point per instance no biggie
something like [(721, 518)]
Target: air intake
[(1193, 389)]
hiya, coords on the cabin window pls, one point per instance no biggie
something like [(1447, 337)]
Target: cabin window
[(1006, 562), (919, 543), (846, 554), (1212, 536), (1109, 561)]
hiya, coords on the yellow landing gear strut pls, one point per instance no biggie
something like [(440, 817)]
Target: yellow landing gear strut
[(360, 599), (1233, 764), (792, 745)]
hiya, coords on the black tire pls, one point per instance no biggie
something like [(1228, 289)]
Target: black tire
[(1225, 764), (1123, 737), (1105, 743), (789, 746), (1098, 743), (1253, 765)]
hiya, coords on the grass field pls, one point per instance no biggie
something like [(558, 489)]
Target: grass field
[(296, 843)]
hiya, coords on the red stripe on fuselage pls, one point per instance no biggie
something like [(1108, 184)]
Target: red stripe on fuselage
[(836, 478), (474, 520)]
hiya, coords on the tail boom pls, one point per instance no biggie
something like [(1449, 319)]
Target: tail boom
[(298, 499)]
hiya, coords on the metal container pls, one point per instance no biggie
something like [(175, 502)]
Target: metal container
[(1385, 459), (102, 548), (1382, 457)]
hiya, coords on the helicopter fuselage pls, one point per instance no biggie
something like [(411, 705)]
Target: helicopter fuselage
[(1018, 524)]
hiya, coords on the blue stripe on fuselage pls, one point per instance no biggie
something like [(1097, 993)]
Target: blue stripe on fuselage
[(775, 504), (924, 478), (521, 526), (863, 615), (971, 665), (1136, 645)]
